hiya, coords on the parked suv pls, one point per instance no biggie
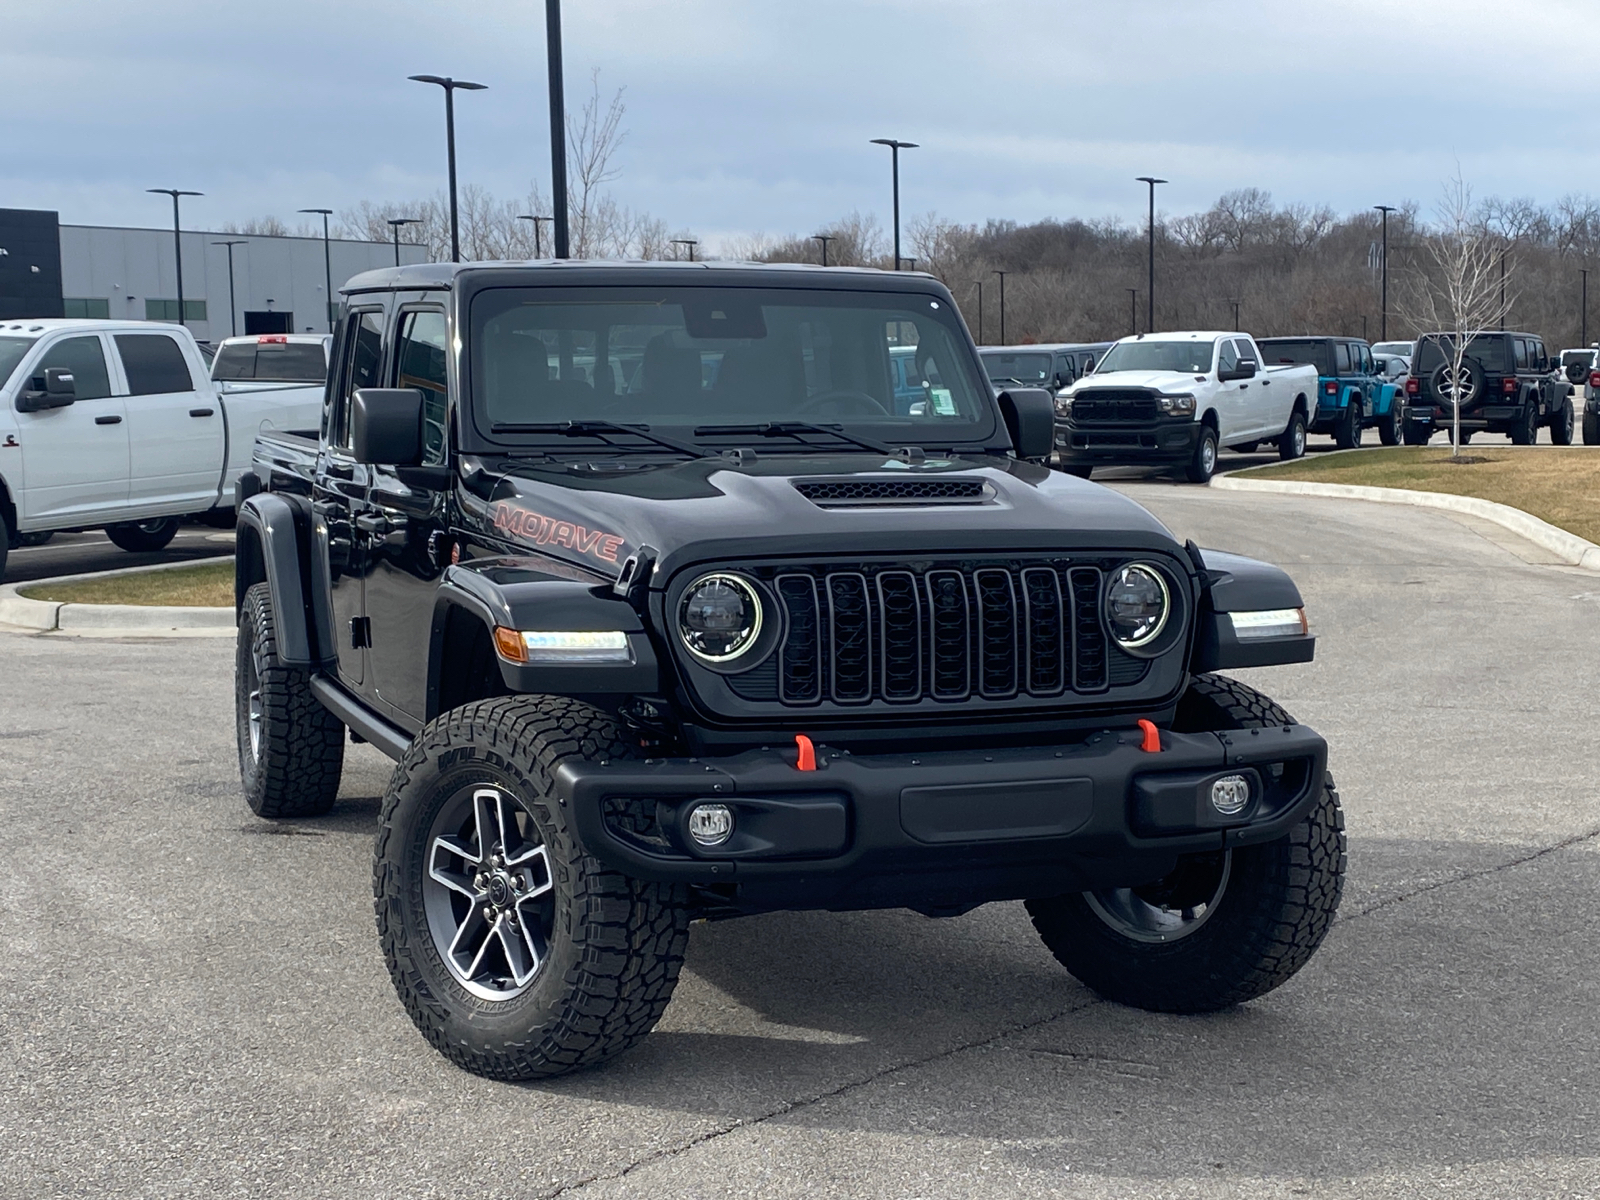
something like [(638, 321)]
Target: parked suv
[(1055, 365), (1352, 393), (1506, 385), (657, 643)]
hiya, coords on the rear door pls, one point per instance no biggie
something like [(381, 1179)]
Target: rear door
[(175, 430), (75, 458)]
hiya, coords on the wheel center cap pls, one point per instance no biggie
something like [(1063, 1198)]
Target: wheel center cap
[(499, 890)]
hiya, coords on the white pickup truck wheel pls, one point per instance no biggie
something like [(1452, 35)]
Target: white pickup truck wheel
[(144, 536), (1292, 442)]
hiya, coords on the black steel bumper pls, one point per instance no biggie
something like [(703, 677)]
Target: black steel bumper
[(1496, 417), (1166, 441), (941, 829)]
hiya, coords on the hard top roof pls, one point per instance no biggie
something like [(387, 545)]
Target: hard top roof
[(39, 326), (1043, 347), (587, 272)]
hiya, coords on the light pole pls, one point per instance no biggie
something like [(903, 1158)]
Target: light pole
[(1236, 328), (1583, 320), (1383, 319), (1502, 291), (1150, 289), (824, 238), (327, 263), (1002, 275), (558, 126), (913, 265), (394, 224), (980, 312), (689, 242), (233, 308), (450, 85), (538, 246), (177, 239), (1133, 311), (894, 154)]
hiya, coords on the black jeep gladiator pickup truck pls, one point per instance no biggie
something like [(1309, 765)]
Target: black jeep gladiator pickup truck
[(666, 610)]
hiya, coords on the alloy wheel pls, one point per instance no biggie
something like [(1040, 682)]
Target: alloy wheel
[(1171, 908)]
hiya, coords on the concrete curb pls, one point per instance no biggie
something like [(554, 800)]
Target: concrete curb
[(1568, 547), (45, 616)]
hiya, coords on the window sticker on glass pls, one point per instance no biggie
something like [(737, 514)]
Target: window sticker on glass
[(943, 403)]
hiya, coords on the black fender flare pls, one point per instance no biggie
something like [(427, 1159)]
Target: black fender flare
[(277, 535), (1232, 583)]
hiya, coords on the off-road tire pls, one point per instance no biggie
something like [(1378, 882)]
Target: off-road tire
[(1203, 462), (1418, 435), (1278, 904), (39, 538), (1245, 447), (1591, 429), (296, 772), (616, 944), (141, 537), (1526, 431), (1292, 441), (1561, 424), (1391, 426), (1347, 434)]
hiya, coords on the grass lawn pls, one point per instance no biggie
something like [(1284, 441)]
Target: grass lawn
[(206, 586), (1558, 485)]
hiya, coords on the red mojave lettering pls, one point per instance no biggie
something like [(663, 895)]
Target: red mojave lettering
[(535, 527)]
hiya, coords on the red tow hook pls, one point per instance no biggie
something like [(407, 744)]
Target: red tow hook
[(808, 753), (1152, 738)]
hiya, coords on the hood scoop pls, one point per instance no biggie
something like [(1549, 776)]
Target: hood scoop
[(856, 492)]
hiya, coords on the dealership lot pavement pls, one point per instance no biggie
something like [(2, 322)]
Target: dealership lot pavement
[(194, 1002), (81, 553)]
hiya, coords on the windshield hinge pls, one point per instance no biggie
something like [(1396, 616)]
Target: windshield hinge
[(742, 455), (634, 578), (912, 456)]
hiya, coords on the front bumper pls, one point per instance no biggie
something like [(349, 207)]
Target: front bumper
[(1163, 441), (941, 829)]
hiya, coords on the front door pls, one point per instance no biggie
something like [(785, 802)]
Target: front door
[(175, 434), (75, 458), (410, 548), (339, 497)]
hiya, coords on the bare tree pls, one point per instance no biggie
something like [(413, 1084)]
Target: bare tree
[(1458, 295)]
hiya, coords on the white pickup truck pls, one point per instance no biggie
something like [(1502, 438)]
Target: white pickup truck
[(115, 425), (1172, 399)]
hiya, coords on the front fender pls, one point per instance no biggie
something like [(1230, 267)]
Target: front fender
[(1233, 584)]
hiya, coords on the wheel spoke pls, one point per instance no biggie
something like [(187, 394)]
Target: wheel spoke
[(486, 817), (488, 939), (522, 956)]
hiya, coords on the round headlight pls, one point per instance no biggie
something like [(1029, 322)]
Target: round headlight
[(1137, 605), (720, 617)]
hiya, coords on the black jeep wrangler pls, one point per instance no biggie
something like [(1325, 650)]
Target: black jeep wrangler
[(1506, 385), (666, 610)]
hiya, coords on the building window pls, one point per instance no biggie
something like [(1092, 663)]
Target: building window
[(167, 310), (92, 310)]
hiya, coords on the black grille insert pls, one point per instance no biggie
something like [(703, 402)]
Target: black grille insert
[(1108, 404), (854, 493)]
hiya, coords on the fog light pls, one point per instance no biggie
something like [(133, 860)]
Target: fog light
[(1230, 794), (712, 824)]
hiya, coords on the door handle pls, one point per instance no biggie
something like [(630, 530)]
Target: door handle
[(1242, 386), (1266, 383), (201, 412), (113, 419)]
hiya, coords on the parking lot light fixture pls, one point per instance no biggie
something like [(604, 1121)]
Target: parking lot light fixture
[(1150, 288), (450, 85), (895, 146), (233, 307), (327, 259), (1383, 319), (689, 242), (177, 238), (394, 224), (824, 238), (538, 245)]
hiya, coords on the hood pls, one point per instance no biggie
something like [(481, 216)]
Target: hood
[(595, 516), (1161, 381)]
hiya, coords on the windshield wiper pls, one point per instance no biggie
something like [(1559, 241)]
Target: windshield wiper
[(600, 429), (794, 429)]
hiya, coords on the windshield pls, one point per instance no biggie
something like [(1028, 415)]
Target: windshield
[(280, 362), (1305, 352), (686, 360), (12, 351), (1186, 358), (1024, 368), (1403, 349), (1488, 351)]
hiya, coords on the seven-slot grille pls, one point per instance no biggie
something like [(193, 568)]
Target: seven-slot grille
[(944, 633), (1109, 404)]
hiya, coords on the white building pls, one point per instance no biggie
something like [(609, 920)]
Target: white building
[(278, 284)]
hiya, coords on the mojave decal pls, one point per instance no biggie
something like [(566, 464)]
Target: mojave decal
[(530, 526)]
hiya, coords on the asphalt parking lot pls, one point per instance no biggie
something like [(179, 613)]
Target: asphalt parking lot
[(195, 1004), (81, 553)]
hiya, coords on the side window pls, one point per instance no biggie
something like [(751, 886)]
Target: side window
[(1228, 355), (420, 363), (1520, 348), (1341, 358), (154, 364), (1535, 352), (85, 357), (363, 357)]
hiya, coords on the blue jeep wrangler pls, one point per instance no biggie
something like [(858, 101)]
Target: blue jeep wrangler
[(1351, 393)]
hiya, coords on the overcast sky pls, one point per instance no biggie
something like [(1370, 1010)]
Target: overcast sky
[(755, 116)]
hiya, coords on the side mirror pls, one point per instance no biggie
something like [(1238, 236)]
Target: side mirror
[(59, 390), (1030, 417), (1245, 370), (386, 426)]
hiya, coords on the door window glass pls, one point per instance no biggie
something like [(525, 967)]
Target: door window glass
[(420, 363), (154, 364), (1341, 358), (363, 355), (1520, 347), (1228, 358), (86, 359)]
